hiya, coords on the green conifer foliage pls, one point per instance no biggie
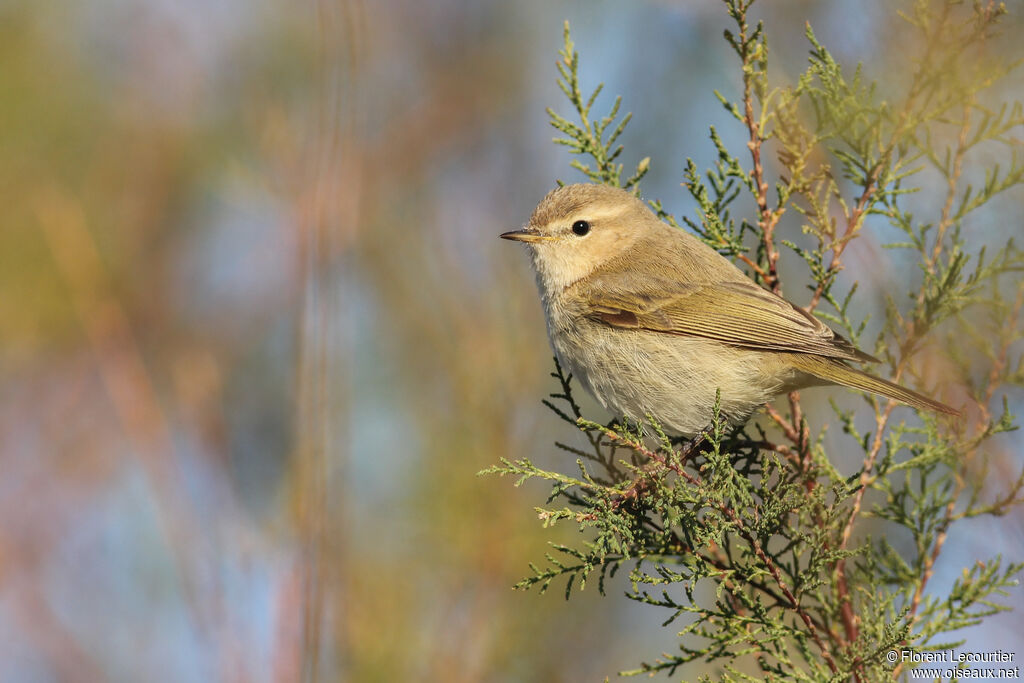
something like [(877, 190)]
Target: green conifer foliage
[(770, 561)]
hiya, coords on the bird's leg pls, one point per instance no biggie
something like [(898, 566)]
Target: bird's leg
[(691, 446)]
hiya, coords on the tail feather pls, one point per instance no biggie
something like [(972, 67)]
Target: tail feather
[(837, 372)]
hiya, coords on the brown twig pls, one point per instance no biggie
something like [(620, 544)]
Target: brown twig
[(998, 365), (853, 223), (750, 263), (992, 383), (777, 575), (745, 533), (855, 219), (717, 561), (945, 221), (842, 589), (912, 336), (787, 429), (911, 330), (768, 218)]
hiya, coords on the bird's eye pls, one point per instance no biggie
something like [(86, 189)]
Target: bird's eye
[(581, 228)]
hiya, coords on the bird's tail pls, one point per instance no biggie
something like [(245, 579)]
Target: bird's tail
[(837, 372)]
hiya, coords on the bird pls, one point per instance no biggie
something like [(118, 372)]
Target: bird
[(654, 323)]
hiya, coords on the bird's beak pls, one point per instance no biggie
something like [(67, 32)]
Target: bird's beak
[(524, 235)]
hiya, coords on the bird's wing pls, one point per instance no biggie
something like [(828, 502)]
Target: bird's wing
[(732, 312)]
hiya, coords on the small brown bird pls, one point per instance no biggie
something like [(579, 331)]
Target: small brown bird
[(654, 322)]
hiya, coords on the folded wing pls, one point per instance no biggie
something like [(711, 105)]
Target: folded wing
[(738, 313)]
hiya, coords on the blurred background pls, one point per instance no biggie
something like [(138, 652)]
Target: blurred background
[(258, 334)]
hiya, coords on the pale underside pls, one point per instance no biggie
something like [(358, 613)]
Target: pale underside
[(672, 378)]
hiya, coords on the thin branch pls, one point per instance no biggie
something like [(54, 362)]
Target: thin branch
[(853, 223), (747, 535)]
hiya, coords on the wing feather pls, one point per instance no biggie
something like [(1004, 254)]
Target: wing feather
[(733, 312)]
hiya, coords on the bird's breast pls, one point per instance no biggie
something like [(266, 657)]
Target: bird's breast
[(673, 378)]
